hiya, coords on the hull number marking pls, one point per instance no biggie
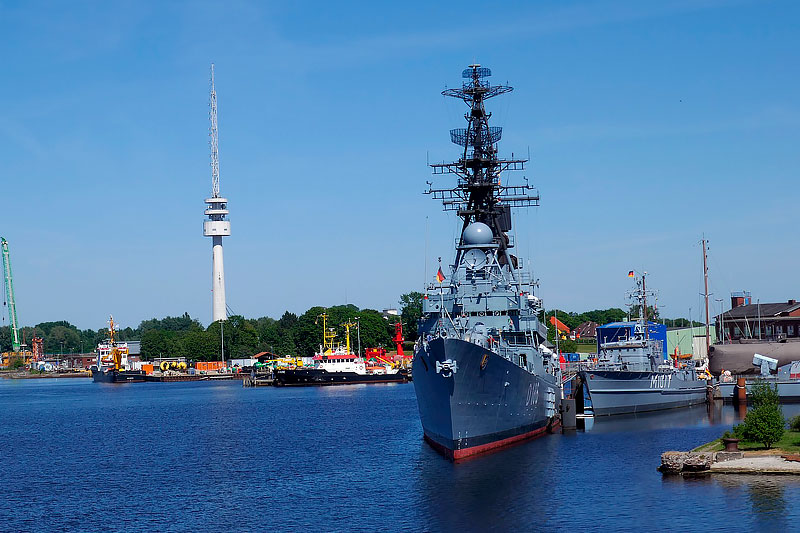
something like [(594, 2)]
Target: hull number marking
[(660, 381)]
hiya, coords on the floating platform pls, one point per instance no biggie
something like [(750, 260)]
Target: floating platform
[(257, 381)]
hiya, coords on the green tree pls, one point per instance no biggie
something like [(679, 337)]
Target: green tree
[(764, 423), (62, 339), (154, 344), (410, 312), (201, 346)]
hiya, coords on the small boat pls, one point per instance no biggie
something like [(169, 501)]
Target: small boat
[(337, 365), (112, 362)]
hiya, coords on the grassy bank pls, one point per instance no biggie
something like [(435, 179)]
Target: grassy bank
[(790, 443)]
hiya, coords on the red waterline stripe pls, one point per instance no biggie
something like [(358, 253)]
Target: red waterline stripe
[(463, 453)]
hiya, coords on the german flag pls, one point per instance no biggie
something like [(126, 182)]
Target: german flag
[(630, 274), (440, 275)]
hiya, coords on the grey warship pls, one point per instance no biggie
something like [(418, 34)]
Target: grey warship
[(631, 375), (482, 374)]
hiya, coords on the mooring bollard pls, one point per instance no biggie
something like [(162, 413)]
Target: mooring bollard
[(741, 391)]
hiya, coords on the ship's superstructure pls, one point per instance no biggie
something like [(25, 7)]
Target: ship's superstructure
[(631, 375), (216, 226), (336, 364), (112, 364), (482, 374)]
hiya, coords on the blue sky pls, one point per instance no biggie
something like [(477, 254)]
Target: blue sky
[(649, 124)]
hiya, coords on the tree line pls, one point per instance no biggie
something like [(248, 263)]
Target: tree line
[(289, 335), (184, 336)]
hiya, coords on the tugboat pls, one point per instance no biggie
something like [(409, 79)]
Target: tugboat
[(112, 362), (632, 376), (482, 374), (338, 365)]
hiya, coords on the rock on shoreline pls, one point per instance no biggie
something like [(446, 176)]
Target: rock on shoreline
[(690, 463)]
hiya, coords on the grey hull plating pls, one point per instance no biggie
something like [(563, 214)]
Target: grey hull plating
[(789, 391), (619, 392), (482, 403)]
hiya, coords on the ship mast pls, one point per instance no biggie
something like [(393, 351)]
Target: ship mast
[(479, 195), (704, 243)]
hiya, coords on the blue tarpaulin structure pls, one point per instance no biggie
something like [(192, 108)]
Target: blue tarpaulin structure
[(623, 330)]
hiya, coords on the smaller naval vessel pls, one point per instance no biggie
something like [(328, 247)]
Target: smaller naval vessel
[(112, 361), (785, 379), (338, 365), (632, 376)]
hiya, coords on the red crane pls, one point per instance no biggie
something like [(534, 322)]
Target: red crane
[(398, 340)]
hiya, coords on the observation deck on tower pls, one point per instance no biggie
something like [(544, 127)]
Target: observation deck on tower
[(216, 225)]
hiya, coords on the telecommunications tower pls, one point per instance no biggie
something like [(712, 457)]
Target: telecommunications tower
[(216, 226)]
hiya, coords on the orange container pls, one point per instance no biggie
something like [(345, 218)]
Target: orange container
[(148, 369)]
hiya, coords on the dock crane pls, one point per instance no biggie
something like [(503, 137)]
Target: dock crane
[(12, 306)]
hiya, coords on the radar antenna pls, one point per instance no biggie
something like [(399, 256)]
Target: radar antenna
[(479, 195)]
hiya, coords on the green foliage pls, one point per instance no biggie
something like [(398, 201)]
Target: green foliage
[(410, 313), (764, 394), (171, 323), (764, 423), (794, 423), (15, 363)]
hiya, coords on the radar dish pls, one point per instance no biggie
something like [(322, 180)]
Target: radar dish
[(482, 72), (475, 259), (459, 136)]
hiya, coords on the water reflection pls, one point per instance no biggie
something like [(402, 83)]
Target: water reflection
[(692, 416), (714, 414), (486, 493), (766, 495)]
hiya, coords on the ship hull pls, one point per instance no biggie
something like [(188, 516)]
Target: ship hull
[(118, 376), (318, 377), (619, 392), (485, 404), (788, 391)]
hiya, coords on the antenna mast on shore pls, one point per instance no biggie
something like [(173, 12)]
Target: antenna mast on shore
[(217, 225)]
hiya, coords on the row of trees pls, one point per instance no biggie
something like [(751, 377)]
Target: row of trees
[(185, 336), (289, 335)]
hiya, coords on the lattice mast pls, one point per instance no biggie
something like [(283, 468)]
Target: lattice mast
[(217, 225), (214, 138), (16, 345), (479, 195)]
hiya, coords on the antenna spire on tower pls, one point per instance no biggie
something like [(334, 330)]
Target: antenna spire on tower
[(214, 139), (216, 225)]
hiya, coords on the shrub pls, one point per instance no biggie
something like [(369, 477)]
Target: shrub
[(727, 435), (762, 393), (764, 424), (794, 423)]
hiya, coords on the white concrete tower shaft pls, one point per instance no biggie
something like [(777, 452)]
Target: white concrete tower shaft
[(216, 225)]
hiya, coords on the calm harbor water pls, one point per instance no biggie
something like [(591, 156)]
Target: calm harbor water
[(213, 457)]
